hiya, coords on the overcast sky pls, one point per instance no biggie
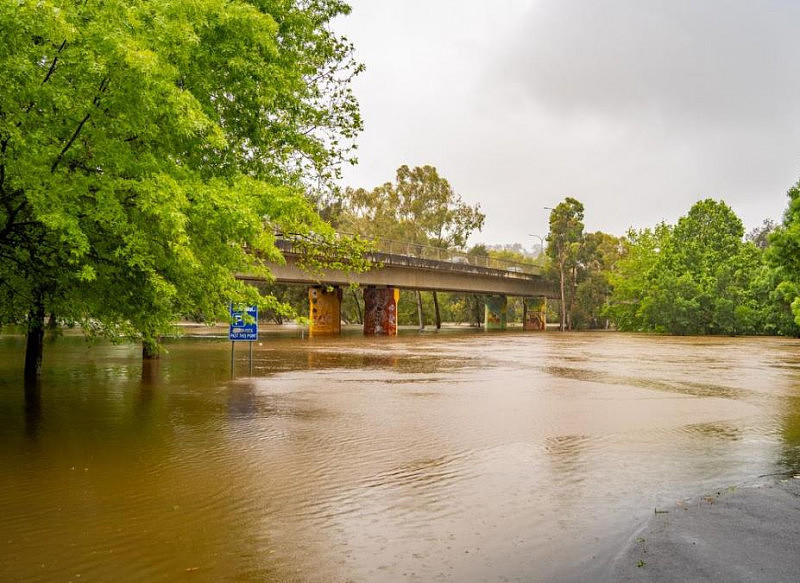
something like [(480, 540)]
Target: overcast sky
[(636, 108)]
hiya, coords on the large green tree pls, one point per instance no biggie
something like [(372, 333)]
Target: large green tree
[(597, 260), (693, 278), (636, 275), (149, 149), (564, 242), (420, 207), (783, 254)]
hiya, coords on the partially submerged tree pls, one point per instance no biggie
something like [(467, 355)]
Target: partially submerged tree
[(597, 261), (693, 278), (149, 150), (784, 255), (636, 275), (563, 247)]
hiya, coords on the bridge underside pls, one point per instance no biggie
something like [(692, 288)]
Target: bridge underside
[(420, 274), (382, 283)]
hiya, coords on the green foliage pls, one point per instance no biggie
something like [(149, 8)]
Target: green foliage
[(759, 236), (419, 207), (582, 265), (508, 255), (295, 297), (636, 276), (566, 230), (454, 307), (783, 255), (564, 243), (148, 151), (698, 277), (597, 260)]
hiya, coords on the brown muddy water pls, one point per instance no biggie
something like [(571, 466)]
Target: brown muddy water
[(436, 457)]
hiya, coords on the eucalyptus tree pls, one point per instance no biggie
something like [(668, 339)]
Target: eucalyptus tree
[(149, 150), (420, 207), (759, 236), (563, 246)]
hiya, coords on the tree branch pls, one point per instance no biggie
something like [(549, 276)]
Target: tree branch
[(49, 74), (15, 291), (10, 218), (76, 133), (68, 145), (53, 64), (3, 147)]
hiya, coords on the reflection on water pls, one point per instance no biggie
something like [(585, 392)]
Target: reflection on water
[(456, 457), (790, 435), (33, 409), (685, 387)]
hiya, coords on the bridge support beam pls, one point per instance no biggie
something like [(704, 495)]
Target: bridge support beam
[(380, 311), (534, 313), (495, 314), (325, 311)]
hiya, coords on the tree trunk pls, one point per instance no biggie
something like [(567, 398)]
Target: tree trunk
[(476, 311), (436, 311), (562, 323), (33, 408), (151, 348), (419, 310), (573, 292), (150, 371), (359, 313), (35, 343)]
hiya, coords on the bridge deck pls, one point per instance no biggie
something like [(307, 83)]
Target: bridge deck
[(408, 272)]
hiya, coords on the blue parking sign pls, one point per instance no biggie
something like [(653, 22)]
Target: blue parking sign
[(239, 328)]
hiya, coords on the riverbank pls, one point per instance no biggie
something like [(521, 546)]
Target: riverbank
[(738, 534)]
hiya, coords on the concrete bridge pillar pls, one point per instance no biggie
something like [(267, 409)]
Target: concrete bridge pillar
[(325, 311), (380, 311), (495, 314), (534, 313)]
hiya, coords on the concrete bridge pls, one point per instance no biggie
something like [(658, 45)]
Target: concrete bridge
[(415, 267)]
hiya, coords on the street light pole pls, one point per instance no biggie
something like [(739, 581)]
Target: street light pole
[(541, 239), (541, 243), (562, 322)]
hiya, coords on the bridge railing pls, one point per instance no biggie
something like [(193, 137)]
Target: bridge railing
[(415, 254), (455, 257)]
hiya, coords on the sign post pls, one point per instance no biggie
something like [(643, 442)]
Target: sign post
[(243, 327)]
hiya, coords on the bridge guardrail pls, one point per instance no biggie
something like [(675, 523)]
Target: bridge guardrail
[(388, 251)]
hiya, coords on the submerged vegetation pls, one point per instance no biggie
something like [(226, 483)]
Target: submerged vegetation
[(701, 275), (150, 150)]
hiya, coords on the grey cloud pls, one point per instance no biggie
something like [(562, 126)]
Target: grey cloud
[(704, 62), (638, 108)]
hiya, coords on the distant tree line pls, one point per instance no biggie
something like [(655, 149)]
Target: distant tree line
[(702, 275)]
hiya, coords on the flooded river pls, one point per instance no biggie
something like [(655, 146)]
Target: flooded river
[(436, 457)]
